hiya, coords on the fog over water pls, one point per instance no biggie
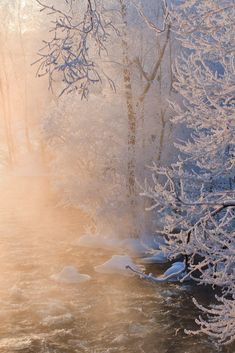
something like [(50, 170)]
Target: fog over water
[(109, 313), (63, 169)]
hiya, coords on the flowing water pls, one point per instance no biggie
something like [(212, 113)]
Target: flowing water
[(108, 314)]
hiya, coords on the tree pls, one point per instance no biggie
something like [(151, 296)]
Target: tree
[(71, 54), (194, 199), (18, 34)]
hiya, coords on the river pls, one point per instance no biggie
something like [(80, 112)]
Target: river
[(109, 314)]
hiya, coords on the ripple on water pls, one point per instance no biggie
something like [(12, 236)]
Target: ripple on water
[(108, 314)]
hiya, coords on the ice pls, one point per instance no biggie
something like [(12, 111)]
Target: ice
[(117, 265), (70, 274)]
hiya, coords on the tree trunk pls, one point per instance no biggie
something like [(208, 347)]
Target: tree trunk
[(25, 93), (6, 106), (131, 164)]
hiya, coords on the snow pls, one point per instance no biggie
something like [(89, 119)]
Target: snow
[(173, 272), (69, 274), (117, 265), (159, 257)]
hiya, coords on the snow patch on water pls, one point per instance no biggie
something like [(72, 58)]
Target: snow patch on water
[(118, 265), (70, 274)]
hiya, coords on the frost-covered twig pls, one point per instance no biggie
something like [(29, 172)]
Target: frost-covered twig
[(194, 199), (75, 32)]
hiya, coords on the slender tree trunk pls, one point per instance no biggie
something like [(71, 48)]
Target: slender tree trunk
[(25, 93), (131, 114), (6, 106), (6, 127), (162, 136)]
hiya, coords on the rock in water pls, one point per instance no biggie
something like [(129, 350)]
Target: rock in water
[(118, 265), (69, 274)]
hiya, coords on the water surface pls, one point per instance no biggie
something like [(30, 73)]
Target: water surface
[(107, 314)]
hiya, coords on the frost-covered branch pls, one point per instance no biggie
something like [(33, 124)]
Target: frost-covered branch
[(79, 32), (194, 198)]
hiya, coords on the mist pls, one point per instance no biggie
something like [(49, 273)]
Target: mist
[(102, 198)]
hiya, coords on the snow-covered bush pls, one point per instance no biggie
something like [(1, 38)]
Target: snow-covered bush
[(194, 200)]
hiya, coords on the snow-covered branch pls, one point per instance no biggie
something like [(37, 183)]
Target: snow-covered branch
[(194, 200), (78, 33)]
